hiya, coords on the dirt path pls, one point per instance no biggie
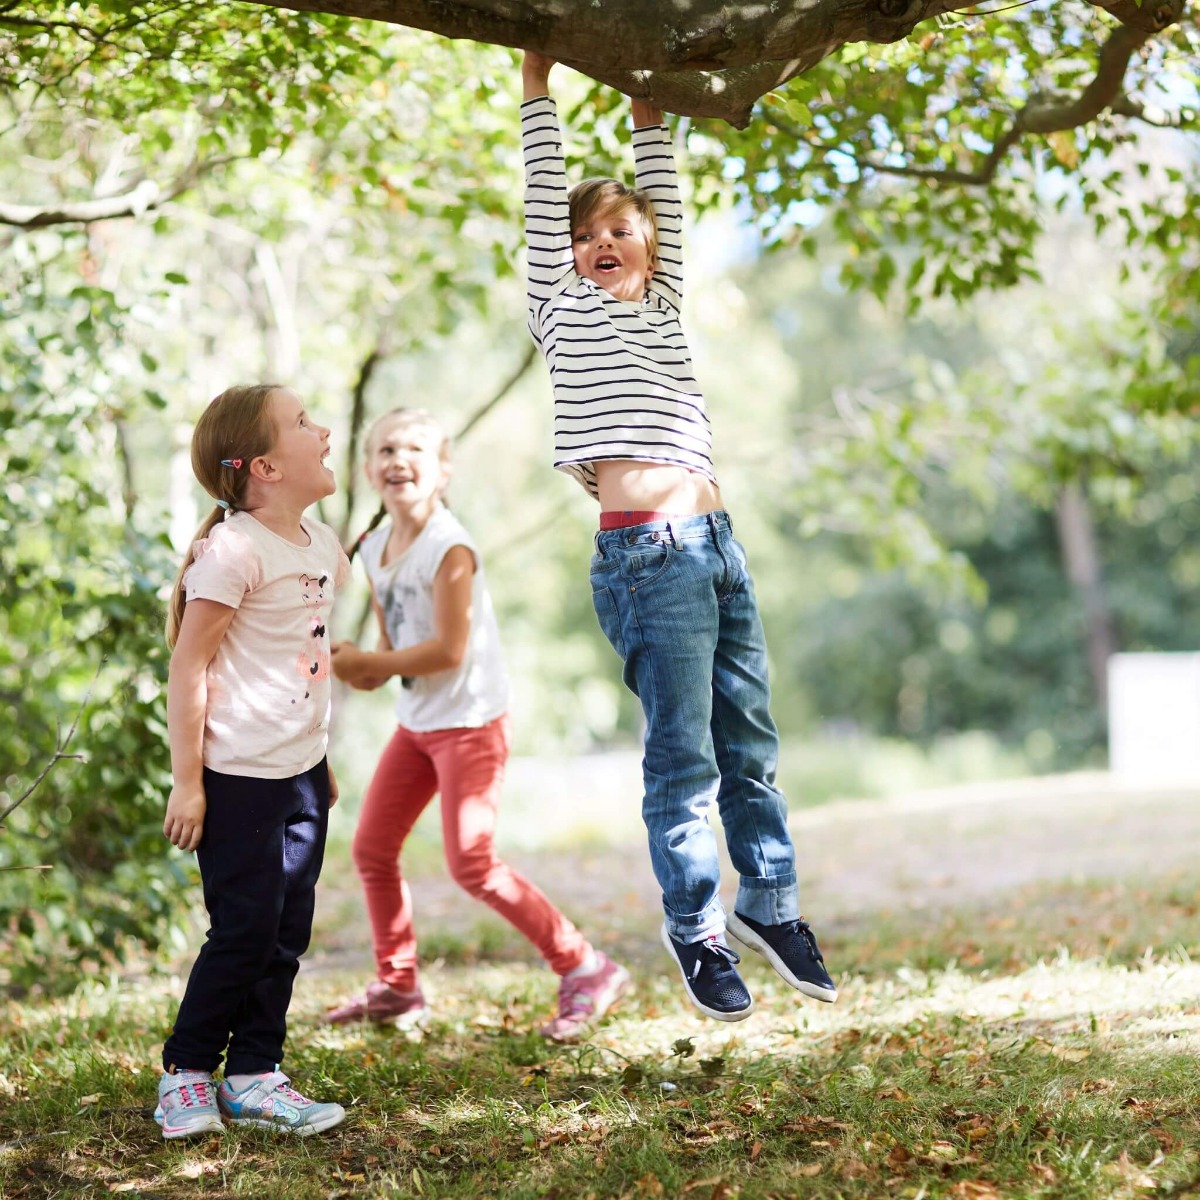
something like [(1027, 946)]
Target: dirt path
[(935, 849)]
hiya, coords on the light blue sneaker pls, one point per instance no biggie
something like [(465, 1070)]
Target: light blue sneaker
[(187, 1105), (270, 1102)]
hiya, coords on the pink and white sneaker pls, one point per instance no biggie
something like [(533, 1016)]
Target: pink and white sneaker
[(187, 1105), (270, 1102), (381, 1002), (584, 999)]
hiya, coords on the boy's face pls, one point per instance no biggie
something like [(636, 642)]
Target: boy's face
[(611, 250)]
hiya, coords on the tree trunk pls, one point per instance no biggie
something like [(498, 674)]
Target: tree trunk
[(1081, 561)]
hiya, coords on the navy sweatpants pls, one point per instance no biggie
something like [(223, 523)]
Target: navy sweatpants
[(261, 853)]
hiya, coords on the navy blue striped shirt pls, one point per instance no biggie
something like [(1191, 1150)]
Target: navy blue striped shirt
[(621, 371)]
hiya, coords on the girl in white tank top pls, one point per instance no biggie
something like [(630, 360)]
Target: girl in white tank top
[(438, 635)]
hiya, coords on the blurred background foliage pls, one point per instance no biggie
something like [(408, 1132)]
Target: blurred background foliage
[(955, 421)]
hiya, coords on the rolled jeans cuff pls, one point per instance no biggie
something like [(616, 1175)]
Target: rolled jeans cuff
[(769, 901), (695, 927)]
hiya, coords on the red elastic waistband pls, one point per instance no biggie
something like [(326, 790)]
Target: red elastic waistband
[(632, 516)]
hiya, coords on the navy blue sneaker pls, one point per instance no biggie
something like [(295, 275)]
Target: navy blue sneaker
[(710, 977), (791, 949)]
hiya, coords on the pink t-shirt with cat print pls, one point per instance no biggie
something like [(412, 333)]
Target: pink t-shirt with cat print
[(268, 684)]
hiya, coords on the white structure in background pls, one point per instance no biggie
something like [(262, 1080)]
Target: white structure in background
[(1154, 716)]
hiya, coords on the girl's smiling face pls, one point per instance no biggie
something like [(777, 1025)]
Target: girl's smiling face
[(406, 462)]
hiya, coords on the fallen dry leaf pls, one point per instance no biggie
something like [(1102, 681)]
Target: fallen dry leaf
[(1071, 1053), (1140, 1108), (1131, 1172), (854, 1168), (974, 1189), (1166, 1140)]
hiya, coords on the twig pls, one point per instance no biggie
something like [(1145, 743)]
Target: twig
[(143, 198), (60, 751), (25, 1139), (1042, 115), (507, 386), (358, 416)]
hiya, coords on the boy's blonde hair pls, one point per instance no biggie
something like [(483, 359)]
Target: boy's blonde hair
[(237, 427), (590, 197)]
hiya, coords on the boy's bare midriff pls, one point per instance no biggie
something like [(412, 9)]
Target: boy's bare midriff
[(626, 483)]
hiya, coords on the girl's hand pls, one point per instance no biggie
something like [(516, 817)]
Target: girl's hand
[(183, 825), (354, 666), (342, 656), (370, 683), (333, 787)]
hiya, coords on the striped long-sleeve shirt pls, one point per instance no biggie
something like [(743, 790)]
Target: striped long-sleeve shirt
[(621, 371)]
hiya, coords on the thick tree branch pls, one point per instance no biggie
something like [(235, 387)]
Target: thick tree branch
[(1149, 16), (145, 197), (704, 58), (1052, 114), (701, 58)]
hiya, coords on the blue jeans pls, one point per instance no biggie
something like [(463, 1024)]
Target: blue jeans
[(677, 603)]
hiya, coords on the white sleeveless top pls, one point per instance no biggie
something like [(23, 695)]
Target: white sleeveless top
[(476, 691)]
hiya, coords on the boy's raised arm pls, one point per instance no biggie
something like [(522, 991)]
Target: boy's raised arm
[(547, 213), (535, 74), (655, 175)]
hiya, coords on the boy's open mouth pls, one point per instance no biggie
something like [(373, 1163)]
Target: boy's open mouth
[(608, 263)]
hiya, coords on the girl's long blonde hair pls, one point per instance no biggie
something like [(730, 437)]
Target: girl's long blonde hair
[(235, 428)]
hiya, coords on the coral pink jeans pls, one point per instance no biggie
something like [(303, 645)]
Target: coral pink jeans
[(467, 767)]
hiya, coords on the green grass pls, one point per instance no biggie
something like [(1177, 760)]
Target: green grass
[(1043, 1046)]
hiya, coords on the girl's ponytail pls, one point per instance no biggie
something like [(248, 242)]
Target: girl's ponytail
[(362, 537), (178, 600)]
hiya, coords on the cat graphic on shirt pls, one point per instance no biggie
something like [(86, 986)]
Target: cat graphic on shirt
[(312, 663)]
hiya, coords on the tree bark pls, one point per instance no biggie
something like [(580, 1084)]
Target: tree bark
[(703, 58), (1081, 561)]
